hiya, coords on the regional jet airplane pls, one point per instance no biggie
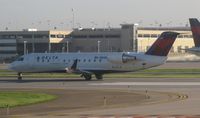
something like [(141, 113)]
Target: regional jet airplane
[(98, 64), (195, 28)]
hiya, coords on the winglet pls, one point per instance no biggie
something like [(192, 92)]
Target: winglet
[(195, 27), (74, 65), (163, 44), (73, 68)]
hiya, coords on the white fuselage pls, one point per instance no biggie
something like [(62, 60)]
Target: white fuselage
[(90, 62)]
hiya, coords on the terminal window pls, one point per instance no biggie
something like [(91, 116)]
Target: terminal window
[(53, 36)]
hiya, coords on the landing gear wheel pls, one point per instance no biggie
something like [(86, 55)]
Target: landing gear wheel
[(99, 76), (87, 77), (19, 76)]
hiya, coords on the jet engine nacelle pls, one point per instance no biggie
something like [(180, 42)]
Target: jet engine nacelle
[(121, 58)]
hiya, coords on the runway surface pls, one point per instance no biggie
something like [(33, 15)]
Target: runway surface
[(125, 96)]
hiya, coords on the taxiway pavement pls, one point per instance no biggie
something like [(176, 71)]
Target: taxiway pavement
[(174, 96)]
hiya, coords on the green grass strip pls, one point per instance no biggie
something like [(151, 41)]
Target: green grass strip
[(13, 99)]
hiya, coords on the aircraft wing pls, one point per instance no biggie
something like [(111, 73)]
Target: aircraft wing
[(74, 69)]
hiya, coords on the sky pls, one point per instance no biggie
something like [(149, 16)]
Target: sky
[(49, 14)]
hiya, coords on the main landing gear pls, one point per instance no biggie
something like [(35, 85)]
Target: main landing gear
[(99, 76), (19, 77), (88, 77)]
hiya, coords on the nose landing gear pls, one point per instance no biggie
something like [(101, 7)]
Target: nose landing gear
[(19, 77)]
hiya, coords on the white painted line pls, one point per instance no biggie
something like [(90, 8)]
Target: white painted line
[(149, 84)]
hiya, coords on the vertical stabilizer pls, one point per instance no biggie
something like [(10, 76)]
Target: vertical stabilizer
[(195, 28), (163, 44)]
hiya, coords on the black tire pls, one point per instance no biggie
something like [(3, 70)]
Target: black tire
[(87, 77), (99, 76), (19, 76)]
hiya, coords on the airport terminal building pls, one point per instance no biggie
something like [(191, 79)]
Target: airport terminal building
[(125, 38), (16, 43)]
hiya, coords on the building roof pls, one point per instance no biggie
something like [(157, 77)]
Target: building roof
[(165, 28)]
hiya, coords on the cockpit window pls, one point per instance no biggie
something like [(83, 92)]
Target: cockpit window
[(20, 59)]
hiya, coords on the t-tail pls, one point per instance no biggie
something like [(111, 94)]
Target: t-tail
[(195, 27), (163, 44)]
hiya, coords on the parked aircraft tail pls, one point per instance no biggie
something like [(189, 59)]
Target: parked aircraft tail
[(195, 28), (163, 44)]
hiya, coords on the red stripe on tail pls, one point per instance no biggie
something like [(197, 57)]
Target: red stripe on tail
[(195, 28), (163, 44)]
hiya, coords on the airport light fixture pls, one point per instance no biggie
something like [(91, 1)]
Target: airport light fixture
[(33, 42), (49, 47), (25, 42), (67, 46), (99, 44)]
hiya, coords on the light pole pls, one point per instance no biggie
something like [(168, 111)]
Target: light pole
[(25, 47), (33, 43), (135, 41), (49, 47), (63, 48), (99, 44), (67, 46)]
